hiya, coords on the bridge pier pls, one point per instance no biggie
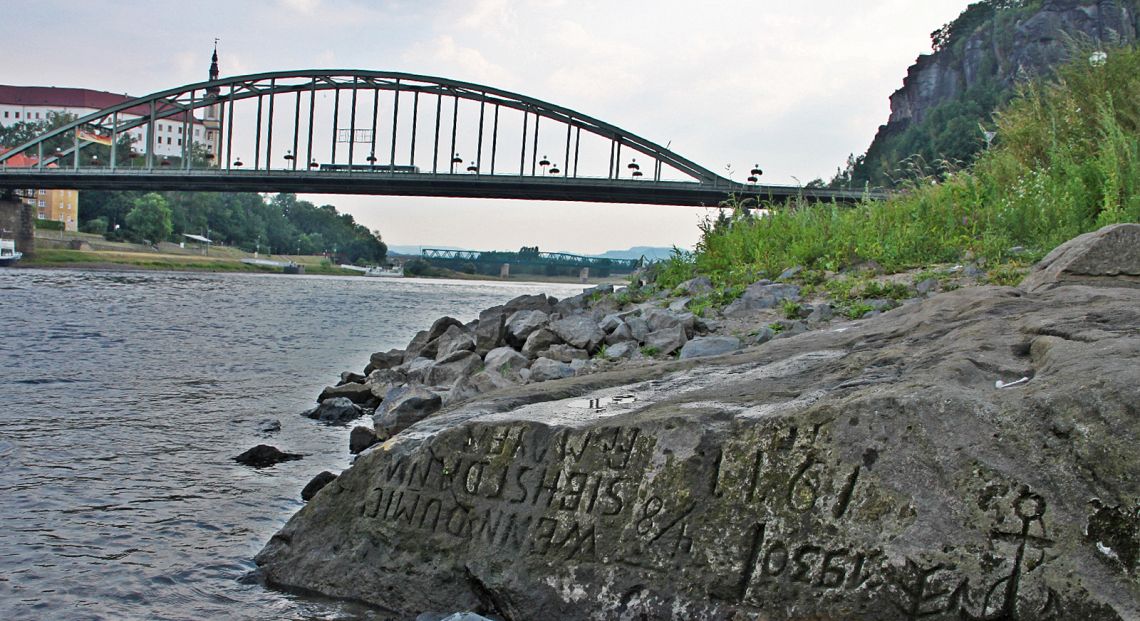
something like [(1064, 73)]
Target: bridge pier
[(584, 275), (505, 271), (17, 221)]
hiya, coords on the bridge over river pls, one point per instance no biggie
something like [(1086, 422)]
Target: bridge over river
[(377, 133)]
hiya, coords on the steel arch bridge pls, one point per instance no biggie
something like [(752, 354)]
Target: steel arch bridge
[(382, 133)]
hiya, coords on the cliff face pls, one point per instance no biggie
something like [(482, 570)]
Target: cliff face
[(1010, 47)]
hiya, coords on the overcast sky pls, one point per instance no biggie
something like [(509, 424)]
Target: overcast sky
[(793, 86)]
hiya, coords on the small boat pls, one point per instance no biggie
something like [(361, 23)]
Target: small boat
[(392, 272), (8, 253)]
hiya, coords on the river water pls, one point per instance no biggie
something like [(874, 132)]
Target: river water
[(124, 397)]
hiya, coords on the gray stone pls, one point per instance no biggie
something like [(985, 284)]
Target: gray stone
[(336, 411), (490, 330), (638, 327), (680, 304), (264, 456), (317, 484), (580, 366), (404, 407), (348, 377), (269, 425), (792, 328), (490, 379), (930, 285), (506, 361), (521, 324), (539, 340), (441, 326), (709, 346), (599, 290), (416, 370), (871, 313), (361, 438), (357, 393), (763, 335), (620, 334), (610, 322), (1109, 257), (571, 305), (790, 273), (821, 313), (622, 351), (880, 304), (761, 296), (667, 340), (973, 271), (418, 348), (384, 360), (695, 286), (565, 353), (447, 371), (529, 302), (545, 369), (581, 332), (455, 339)]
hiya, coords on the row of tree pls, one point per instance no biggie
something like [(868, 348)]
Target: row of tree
[(281, 224)]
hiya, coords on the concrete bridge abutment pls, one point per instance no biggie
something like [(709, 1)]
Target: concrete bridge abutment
[(18, 221)]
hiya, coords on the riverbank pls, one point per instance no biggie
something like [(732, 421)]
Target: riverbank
[(742, 461)]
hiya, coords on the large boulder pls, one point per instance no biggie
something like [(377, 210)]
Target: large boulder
[(666, 340), (404, 407), (521, 324), (335, 411), (709, 346), (460, 364), (538, 341), (565, 353), (759, 296), (506, 361), (264, 456), (529, 302), (357, 393), (579, 331), (316, 484), (1108, 257), (489, 329), (545, 369), (384, 360), (894, 470), (454, 339)]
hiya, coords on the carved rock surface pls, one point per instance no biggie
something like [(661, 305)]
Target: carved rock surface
[(872, 473)]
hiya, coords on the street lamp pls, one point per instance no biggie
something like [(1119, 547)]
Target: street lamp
[(635, 169), (554, 170), (473, 168), (754, 174), (455, 161), (544, 163)]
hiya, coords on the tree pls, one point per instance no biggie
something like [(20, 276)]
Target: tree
[(150, 219)]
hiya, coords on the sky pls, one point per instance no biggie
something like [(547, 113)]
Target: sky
[(795, 87)]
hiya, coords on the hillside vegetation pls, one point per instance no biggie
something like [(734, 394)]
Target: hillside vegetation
[(1066, 161)]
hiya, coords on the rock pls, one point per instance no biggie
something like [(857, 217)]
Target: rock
[(565, 353), (760, 296), (545, 369), (571, 305), (695, 287), (580, 366), (790, 273), (529, 302), (667, 340), (638, 328), (930, 285), (1109, 257), (264, 456), (859, 475), (383, 380), (792, 328), (455, 339), (621, 334), (418, 348), (361, 438), (269, 425), (973, 271), (680, 304), (521, 324), (490, 330), (336, 411), (610, 322), (882, 305), (870, 314), (539, 340), (416, 371), (506, 361), (404, 407), (447, 371), (317, 484), (822, 313), (581, 332), (709, 346), (384, 360), (348, 377), (623, 351), (489, 380), (357, 393), (441, 326), (763, 335)]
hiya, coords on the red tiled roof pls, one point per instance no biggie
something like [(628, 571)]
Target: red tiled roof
[(20, 160), (55, 97)]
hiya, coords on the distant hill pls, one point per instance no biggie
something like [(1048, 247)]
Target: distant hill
[(651, 253)]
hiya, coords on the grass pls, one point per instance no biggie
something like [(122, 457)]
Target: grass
[(1067, 161)]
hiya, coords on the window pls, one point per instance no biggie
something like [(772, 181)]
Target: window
[(40, 204), (168, 140), (42, 192), (17, 115), (179, 131), (180, 142)]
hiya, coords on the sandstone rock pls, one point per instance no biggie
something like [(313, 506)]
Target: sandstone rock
[(447, 371), (565, 353), (521, 324), (455, 339), (1108, 257), (759, 296), (357, 393), (545, 369), (709, 346), (864, 475), (403, 407), (581, 332), (384, 360), (361, 438), (538, 341), (264, 456), (317, 484), (336, 411), (667, 340), (506, 361)]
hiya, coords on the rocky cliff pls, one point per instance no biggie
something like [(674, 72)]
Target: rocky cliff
[(981, 57), (968, 456)]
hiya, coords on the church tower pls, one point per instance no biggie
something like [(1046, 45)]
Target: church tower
[(213, 120)]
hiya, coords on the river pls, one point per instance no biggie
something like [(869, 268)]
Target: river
[(124, 397)]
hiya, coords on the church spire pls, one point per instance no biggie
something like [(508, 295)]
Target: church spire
[(214, 70)]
